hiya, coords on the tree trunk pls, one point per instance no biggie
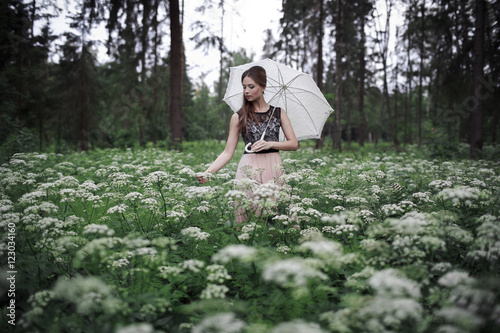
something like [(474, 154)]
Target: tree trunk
[(476, 145), (387, 100), (420, 74), (362, 73), (337, 131), (221, 64), (153, 115), (408, 113), (320, 68), (385, 54), (83, 140), (175, 76)]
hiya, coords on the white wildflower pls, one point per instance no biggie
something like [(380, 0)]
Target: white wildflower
[(366, 215), (297, 326), (136, 328), (89, 294), (407, 205), (392, 209), (187, 171), (31, 197), (6, 205), (423, 197), (441, 268), (145, 251), (98, 229), (236, 194), (244, 236), (98, 246), (391, 283), (460, 317), (322, 248), (294, 272), (410, 223), (335, 219), (166, 271), (310, 233), (204, 207), (120, 263), (393, 312), (460, 195), (455, 278), (338, 208), (440, 184), (5, 219), (201, 192), (193, 265), (217, 273), (134, 196), (156, 177), (214, 291), (120, 209), (343, 229), (335, 197), (195, 232), (221, 323), (283, 249), (356, 200), (235, 251)]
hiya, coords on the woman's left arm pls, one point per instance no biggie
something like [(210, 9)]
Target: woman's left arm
[(291, 142)]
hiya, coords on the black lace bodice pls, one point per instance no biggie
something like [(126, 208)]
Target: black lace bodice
[(255, 130)]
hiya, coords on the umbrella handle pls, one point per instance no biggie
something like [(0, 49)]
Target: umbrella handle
[(247, 147)]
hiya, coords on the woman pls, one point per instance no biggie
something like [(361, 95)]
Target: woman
[(255, 117)]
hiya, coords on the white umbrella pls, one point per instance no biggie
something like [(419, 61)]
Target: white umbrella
[(292, 90)]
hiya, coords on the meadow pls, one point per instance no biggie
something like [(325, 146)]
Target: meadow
[(128, 241)]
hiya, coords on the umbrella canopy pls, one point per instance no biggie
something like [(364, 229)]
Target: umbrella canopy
[(292, 90)]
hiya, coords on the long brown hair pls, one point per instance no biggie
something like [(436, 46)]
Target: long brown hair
[(247, 111)]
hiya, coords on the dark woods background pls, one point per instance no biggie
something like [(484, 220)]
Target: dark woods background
[(438, 86)]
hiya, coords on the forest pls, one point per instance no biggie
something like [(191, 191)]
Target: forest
[(437, 86)]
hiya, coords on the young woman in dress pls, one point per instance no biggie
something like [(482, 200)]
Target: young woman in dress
[(263, 161)]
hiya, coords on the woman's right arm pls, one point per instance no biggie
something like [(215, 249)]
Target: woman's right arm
[(227, 154)]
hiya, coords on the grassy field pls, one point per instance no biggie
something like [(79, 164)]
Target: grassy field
[(129, 241)]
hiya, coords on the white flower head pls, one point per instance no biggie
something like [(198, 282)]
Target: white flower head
[(201, 192), (236, 251), (89, 294), (393, 312), (410, 224), (98, 229), (323, 248), (136, 328), (195, 233), (294, 272), (134, 196), (214, 291), (297, 326), (121, 208), (455, 278), (193, 265), (389, 282), (460, 195), (221, 323), (340, 218), (217, 273)]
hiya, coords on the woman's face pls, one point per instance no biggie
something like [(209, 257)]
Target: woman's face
[(251, 89)]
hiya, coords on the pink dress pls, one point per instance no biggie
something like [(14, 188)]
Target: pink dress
[(263, 166)]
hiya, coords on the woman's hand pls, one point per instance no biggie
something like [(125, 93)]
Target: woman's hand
[(262, 145), (202, 180), (203, 177)]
